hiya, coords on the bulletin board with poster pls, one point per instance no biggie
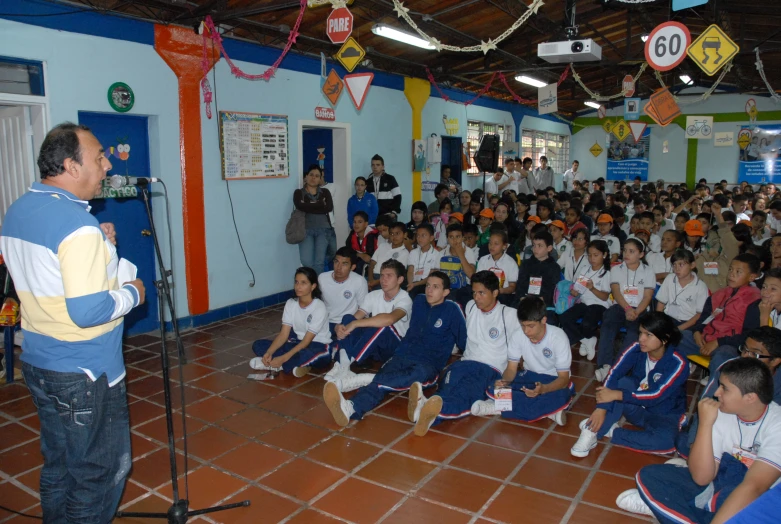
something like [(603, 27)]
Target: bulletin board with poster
[(758, 154), (627, 159), (253, 145)]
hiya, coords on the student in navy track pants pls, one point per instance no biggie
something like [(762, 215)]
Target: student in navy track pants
[(436, 326), (647, 386), (490, 326)]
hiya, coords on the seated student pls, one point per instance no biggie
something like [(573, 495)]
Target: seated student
[(632, 284), (436, 324), (440, 223), (540, 274), (713, 268), (309, 343), (661, 262), (645, 221), (680, 221), (542, 389), (592, 285), (484, 227), (682, 295), (604, 225), (546, 211), (498, 263), (392, 250), (418, 215), (471, 235), (723, 321), (572, 220), (695, 237), (712, 241), (363, 239), (661, 224), (561, 245), (490, 325), (578, 255), (421, 261), (646, 386), (457, 261), (759, 232), (376, 328), (734, 459), (342, 289)]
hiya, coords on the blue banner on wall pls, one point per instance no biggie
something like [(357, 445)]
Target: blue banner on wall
[(628, 159), (758, 150)]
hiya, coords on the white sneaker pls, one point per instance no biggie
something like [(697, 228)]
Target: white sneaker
[(349, 381), (455, 350), (560, 417), (678, 462), (428, 414), (257, 363), (332, 375), (484, 408), (583, 349), (692, 368), (630, 501), (586, 442), (591, 348), (609, 433), (416, 401), (340, 408), (302, 371), (704, 380), (601, 373)]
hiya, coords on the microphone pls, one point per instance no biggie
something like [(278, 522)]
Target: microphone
[(119, 181)]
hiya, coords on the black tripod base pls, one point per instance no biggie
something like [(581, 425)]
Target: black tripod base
[(178, 512)]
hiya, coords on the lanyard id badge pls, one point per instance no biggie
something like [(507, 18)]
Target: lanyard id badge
[(711, 268), (503, 399), (632, 295), (535, 285), (713, 315), (746, 457)]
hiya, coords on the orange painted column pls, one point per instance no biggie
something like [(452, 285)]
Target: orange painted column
[(181, 49)]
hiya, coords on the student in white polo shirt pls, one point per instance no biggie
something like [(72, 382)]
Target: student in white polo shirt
[(682, 295), (393, 250), (604, 225), (343, 289), (421, 260), (660, 262), (500, 264)]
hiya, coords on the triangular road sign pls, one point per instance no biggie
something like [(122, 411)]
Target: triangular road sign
[(637, 129), (357, 86)]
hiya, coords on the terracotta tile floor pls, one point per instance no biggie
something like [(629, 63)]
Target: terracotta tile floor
[(275, 444)]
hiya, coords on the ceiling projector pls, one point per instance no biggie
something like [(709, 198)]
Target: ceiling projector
[(570, 51)]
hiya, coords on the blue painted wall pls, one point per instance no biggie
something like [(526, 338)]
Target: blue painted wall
[(313, 141)]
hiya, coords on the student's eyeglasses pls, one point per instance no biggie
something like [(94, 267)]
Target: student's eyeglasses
[(749, 353)]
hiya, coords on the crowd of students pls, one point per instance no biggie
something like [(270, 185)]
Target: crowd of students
[(466, 299)]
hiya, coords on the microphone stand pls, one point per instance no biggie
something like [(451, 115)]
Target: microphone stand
[(179, 511)]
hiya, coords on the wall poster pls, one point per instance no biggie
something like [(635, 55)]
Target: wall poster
[(253, 145), (627, 159), (758, 148)]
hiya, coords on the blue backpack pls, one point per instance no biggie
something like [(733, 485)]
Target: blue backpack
[(562, 298)]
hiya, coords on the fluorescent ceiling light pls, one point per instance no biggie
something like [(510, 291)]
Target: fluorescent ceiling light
[(595, 105), (686, 79), (644, 37), (400, 36), (531, 81)]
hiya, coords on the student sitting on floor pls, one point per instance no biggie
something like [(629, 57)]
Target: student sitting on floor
[(561, 245), (436, 325), (363, 239), (343, 290), (504, 267), (713, 267), (490, 325), (682, 294), (592, 284), (736, 456), (660, 262), (457, 261), (392, 250), (632, 284), (543, 387), (376, 329), (540, 274), (604, 225), (647, 386), (309, 344), (422, 260)]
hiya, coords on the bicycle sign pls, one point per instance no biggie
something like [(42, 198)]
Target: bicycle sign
[(712, 50), (699, 127), (666, 45)]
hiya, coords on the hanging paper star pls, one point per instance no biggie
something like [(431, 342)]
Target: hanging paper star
[(293, 36), (487, 46), (400, 9), (436, 43), (536, 6), (235, 71)]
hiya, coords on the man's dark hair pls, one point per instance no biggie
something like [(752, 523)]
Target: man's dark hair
[(750, 375), (769, 337), (547, 204), (426, 227), (531, 309), (543, 157), (383, 220), (471, 228), (378, 157), (455, 227), (661, 326), (60, 143), (728, 216), (501, 233), (395, 265), (441, 276), (347, 252), (775, 205), (486, 278), (363, 214), (750, 260), (545, 236), (439, 189), (398, 225)]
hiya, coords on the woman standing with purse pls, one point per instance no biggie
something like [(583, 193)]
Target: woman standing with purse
[(316, 202)]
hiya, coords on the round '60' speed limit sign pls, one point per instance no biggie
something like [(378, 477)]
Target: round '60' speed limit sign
[(666, 45)]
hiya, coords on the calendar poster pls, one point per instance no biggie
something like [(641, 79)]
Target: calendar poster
[(253, 145)]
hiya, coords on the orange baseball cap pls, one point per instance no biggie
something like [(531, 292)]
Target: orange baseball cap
[(644, 231), (488, 213), (559, 224), (747, 222), (693, 228), (457, 216), (534, 218), (604, 218)]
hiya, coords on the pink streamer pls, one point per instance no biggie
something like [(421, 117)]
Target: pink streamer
[(469, 102)]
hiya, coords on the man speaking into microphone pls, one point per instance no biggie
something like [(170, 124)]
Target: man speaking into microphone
[(64, 267)]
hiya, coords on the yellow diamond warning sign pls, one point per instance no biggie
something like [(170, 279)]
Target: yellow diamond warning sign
[(712, 50), (596, 149), (744, 138), (607, 125), (621, 130), (350, 54)]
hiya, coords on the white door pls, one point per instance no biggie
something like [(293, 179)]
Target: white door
[(17, 160)]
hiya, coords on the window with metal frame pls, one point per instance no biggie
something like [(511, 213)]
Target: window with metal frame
[(555, 147), (21, 77)]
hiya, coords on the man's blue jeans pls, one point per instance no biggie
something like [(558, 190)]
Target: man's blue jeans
[(312, 250), (85, 443)]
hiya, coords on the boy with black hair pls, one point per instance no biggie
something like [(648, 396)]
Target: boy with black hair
[(501, 265), (759, 233), (526, 182), (422, 260), (592, 212), (436, 325), (343, 289), (646, 221), (735, 458), (618, 224), (540, 274), (471, 234), (457, 261), (739, 207), (393, 250), (542, 389), (364, 239), (441, 193), (490, 326), (774, 216), (546, 211)]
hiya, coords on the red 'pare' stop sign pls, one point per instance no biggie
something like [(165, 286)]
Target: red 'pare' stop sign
[(339, 25)]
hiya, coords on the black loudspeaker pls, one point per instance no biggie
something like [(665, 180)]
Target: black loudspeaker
[(487, 156)]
